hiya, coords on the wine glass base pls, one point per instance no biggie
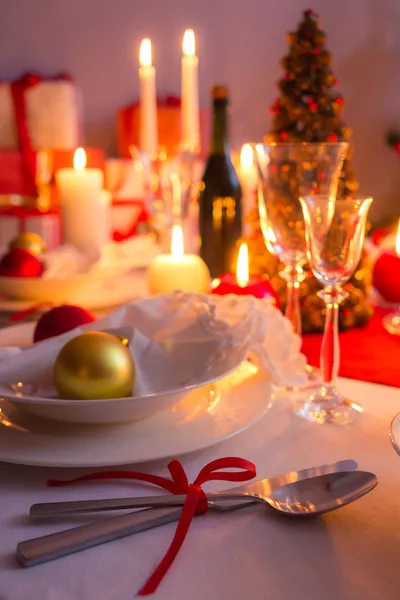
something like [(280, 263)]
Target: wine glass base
[(391, 323), (327, 406)]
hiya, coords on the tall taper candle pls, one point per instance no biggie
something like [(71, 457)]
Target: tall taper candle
[(190, 120), (148, 135)]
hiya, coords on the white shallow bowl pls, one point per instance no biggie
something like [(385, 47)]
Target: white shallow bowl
[(28, 398)]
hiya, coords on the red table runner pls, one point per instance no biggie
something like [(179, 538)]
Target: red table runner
[(369, 353)]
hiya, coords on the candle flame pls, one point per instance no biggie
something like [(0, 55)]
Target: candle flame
[(189, 44), (246, 156), (177, 249), (145, 53), (398, 240), (79, 158), (242, 269)]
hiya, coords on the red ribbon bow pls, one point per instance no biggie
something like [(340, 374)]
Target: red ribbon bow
[(195, 502)]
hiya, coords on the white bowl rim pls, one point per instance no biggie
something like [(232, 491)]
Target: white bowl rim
[(126, 400)]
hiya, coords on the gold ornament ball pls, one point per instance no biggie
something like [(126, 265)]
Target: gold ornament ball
[(92, 366), (31, 242)]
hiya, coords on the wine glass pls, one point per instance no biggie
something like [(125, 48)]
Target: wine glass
[(335, 232), (391, 321), (286, 172)]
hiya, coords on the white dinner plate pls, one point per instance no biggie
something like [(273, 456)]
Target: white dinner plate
[(205, 417)]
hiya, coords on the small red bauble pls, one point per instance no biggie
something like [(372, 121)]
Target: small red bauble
[(59, 320), (20, 263), (386, 276)]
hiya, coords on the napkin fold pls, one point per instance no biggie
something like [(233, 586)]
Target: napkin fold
[(180, 338)]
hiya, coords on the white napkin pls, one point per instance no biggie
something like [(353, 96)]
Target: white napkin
[(116, 258), (180, 338)]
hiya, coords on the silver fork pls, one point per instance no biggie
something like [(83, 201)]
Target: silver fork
[(44, 548)]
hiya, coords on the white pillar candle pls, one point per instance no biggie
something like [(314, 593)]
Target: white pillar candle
[(178, 271), (85, 206), (248, 181), (190, 120), (148, 135)]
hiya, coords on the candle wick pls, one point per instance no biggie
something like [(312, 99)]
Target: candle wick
[(242, 282)]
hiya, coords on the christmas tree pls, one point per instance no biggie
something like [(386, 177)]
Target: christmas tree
[(309, 109)]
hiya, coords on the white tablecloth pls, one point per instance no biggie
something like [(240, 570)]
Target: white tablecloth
[(353, 553)]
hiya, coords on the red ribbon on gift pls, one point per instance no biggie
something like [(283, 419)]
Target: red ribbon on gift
[(195, 502), (18, 89)]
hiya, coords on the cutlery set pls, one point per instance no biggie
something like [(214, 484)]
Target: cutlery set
[(305, 493)]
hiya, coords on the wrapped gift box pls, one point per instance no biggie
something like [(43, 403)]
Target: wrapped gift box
[(35, 114), (125, 217), (51, 111), (17, 219), (169, 126), (16, 179)]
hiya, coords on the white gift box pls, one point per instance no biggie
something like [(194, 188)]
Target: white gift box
[(13, 221), (53, 114)]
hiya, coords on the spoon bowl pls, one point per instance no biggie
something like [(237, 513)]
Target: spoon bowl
[(321, 494)]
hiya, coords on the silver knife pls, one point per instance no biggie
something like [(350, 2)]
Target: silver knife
[(48, 547), (267, 486)]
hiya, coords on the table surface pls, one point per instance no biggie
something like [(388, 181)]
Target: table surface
[(350, 554)]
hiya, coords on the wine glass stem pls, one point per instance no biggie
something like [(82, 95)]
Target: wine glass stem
[(330, 349), (292, 311)]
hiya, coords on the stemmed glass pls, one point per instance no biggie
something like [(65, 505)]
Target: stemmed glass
[(335, 232), (286, 172), (168, 185), (391, 321)]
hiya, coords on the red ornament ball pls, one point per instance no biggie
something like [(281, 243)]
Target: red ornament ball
[(386, 276), (20, 263), (59, 320)]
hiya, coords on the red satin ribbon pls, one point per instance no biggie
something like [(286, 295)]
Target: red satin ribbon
[(18, 89), (195, 502)]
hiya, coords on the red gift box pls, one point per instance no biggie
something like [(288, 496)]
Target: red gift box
[(16, 179), (169, 126)]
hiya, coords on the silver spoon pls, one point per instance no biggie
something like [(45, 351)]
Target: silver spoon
[(264, 487), (304, 498)]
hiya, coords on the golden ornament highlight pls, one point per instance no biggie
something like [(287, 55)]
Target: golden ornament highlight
[(93, 366), (31, 242)]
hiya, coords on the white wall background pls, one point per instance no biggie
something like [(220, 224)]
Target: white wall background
[(240, 43)]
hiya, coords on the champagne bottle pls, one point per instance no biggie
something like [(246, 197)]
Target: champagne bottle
[(220, 213)]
